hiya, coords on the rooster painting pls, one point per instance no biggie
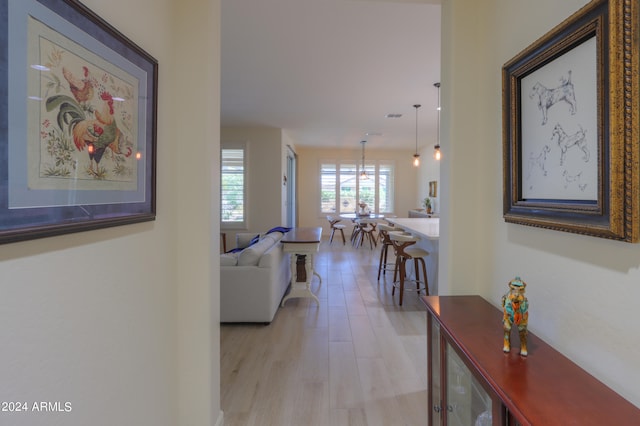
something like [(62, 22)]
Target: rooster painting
[(81, 88), (91, 125)]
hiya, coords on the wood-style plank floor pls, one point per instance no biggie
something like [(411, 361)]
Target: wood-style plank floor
[(357, 359)]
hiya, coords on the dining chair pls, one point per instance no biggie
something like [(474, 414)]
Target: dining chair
[(355, 232), (335, 226), (367, 229)]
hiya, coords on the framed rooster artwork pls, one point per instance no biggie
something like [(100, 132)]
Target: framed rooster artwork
[(78, 107)]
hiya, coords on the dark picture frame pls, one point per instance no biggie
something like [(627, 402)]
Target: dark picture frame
[(570, 126), (78, 108)]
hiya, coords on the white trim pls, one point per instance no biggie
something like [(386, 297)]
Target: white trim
[(220, 421)]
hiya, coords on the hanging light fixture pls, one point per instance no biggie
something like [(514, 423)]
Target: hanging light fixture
[(416, 156), (436, 149), (363, 173)]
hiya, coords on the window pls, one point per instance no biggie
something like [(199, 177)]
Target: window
[(348, 195), (341, 187), (385, 188), (328, 188), (233, 188)]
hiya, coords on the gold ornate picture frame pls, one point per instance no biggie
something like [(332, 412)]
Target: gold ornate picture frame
[(570, 126)]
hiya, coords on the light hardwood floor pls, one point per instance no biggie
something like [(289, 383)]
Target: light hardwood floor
[(357, 359)]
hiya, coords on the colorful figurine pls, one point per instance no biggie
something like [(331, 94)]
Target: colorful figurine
[(516, 312)]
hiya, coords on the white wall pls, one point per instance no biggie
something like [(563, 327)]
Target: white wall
[(309, 158), (266, 166), (123, 322), (194, 123), (428, 171), (582, 290)]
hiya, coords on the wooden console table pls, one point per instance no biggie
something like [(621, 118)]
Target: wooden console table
[(473, 382), (302, 242)]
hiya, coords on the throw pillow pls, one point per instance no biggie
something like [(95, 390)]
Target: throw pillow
[(282, 229)]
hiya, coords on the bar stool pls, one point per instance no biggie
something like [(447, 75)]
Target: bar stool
[(336, 226), (386, 220), (405, 249), (385, 241)]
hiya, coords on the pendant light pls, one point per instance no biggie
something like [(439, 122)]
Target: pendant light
[(436, 153), (416, 156), (363, 173)]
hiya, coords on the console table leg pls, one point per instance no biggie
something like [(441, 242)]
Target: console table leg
[(302, 289)]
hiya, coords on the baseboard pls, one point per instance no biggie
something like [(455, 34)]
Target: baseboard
[(220, 421)]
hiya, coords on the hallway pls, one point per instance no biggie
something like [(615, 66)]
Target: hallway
[(357, 359)]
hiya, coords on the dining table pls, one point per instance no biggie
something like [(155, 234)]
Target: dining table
[(354, 216)]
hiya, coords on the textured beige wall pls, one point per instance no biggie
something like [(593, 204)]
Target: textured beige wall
[(582, 290), (123, 322), (265, 165)]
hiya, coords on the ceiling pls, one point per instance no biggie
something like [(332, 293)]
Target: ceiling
[(328, 71)]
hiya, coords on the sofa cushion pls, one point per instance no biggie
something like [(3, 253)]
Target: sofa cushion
[(251, 255), (229, 259)]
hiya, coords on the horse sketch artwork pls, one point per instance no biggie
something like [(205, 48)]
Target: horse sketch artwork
[(547, 159), (573, 179), (565, 142), (539, 162), (549, 97), (558, 150), (515, 308)]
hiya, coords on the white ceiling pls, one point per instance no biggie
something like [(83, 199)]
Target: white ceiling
[(328, 71)]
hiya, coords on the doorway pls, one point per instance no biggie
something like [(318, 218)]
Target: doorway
[(290, 182)]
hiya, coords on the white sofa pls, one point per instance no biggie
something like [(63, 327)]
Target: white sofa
[(253, 280)]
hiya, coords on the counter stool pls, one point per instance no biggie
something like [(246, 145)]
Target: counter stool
[(385, 241), (336, 226), (404, 247), (386, 219)]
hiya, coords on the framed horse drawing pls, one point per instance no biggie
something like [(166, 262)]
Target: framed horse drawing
[(570, 119)]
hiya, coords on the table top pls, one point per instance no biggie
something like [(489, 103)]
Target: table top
[(361, 216), (428, 228), (303, 235)]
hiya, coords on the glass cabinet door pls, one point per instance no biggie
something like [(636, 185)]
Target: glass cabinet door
[(467, 403), (435, 398)]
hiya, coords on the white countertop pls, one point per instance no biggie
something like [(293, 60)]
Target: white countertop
[(428, 228)]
